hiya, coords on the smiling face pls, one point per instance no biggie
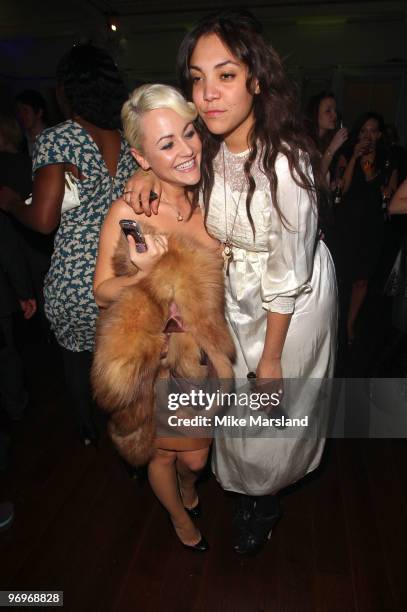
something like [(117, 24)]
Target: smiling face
[(219, 90), (170, 147), (327, 115)]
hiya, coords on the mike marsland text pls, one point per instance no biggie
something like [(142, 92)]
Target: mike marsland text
[(257, 420)]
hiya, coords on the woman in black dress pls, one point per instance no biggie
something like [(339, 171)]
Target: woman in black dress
[(368, 182)]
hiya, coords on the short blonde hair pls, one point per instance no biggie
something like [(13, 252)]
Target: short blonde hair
[(151, 97)]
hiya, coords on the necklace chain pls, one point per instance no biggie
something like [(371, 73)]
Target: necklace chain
[(227, 252), (180, 216)]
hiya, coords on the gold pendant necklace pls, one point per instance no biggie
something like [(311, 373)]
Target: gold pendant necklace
[(227, 252), (178, 214)]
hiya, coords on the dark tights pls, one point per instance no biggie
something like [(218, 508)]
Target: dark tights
[(77, 367)]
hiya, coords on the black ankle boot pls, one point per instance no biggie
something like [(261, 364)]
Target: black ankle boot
[(244, 506), (267, 506), (265, 514)]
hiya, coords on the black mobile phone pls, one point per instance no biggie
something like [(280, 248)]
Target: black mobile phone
[(132, 228)]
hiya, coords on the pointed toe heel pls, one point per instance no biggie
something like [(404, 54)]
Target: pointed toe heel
[(195, 512), (201, 546)]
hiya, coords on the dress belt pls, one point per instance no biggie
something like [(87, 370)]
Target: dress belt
[(241, 257)]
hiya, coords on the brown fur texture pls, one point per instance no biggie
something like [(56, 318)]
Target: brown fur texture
[(130, 338)]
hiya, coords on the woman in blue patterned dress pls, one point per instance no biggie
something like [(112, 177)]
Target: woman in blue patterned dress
[(90, 147)]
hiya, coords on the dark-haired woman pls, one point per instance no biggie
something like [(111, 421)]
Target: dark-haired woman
[(321, 123), (90, 147), (259, 201), (369, 180), (321, 120)]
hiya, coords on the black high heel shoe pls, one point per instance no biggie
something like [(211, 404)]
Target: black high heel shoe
[(201, 546), (195, 512)]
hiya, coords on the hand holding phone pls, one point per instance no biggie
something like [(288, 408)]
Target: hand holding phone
[(132, 228), (146, 251)]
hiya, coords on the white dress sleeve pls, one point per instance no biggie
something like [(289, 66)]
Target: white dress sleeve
[(287, 270)]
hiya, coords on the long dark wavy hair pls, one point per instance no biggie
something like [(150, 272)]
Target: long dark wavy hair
[(311, 120), (277, 127)]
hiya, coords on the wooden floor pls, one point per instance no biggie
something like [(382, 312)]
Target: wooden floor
[(84, 527)]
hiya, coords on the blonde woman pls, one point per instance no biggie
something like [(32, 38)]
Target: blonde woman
[(158, 124)]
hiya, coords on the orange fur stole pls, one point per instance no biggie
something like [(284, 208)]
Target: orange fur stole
[(130, 338)]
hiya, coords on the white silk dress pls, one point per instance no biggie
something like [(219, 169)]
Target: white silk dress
[(284, 270)]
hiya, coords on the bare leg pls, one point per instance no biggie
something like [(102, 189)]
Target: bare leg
[(163, 481), (359, 290), (189, 464)]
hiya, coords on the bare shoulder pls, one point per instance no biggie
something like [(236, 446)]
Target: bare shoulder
[(120, 210)]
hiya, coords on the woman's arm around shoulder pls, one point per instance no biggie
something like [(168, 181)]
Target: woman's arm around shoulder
[(137, 192)]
